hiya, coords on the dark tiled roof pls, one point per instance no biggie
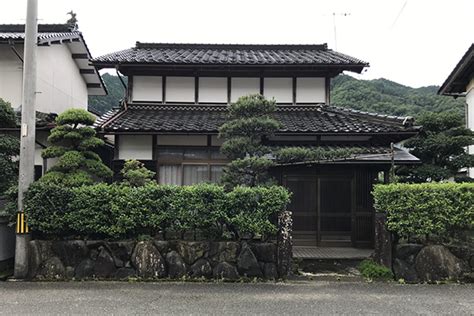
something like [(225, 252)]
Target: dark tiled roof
[(208, 118), (229, 54), (46, 32), (459, 78)]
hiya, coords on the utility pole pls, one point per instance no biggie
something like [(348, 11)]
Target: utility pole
[(27, 136)]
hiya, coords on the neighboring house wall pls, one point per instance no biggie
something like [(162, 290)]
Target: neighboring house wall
[(60, 85), (470, 117), (216, 89), (11, 76)]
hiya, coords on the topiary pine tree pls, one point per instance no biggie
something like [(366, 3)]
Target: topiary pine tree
[(136, 174), (9, 148), (250, 123), (73, 140), (441, 147)]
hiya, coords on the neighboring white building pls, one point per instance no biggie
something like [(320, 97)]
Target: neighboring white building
[(460, 83), (65, 78)]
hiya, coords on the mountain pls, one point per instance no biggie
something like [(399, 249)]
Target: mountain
[(378, 95), (388, 97), (101, 104)]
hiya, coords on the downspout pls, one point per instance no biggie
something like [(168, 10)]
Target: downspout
[(125, 98), (12, 46)]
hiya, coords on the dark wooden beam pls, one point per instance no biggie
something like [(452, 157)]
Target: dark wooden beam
[(87, 71), (294, 90), (94, 85), (79, 56), (328, 90)]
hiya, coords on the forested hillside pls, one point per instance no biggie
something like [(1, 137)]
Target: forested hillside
[(379, 95), (102, 104), (388, 97)]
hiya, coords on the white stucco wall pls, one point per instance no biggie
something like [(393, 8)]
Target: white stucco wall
[(11, 74), (180, 89), (147, 88), (212, 89), (60, 85), (244, 86), (310, 90), (281, 89), (135, 147)]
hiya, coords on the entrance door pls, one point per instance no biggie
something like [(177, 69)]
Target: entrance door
[(335, 211), (322, 210), (303, 206)]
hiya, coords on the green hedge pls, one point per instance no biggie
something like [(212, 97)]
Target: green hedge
[(118, 210), (428, 210)]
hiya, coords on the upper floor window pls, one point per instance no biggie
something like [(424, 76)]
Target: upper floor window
[(180, 89), (280, 89), (147, 88), (244, 86), (310, 90), (212, 90)]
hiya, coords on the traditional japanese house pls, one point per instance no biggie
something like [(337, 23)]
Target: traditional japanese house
[(177, 97)]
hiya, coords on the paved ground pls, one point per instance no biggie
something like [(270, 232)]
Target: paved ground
[(297, 298), (330, 252)]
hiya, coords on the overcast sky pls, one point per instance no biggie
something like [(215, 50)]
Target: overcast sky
[(413, 42)]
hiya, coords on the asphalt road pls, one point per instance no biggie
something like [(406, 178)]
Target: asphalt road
[(295, 298)]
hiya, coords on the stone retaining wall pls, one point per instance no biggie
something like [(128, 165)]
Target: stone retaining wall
[(429, 263), (154, 259)]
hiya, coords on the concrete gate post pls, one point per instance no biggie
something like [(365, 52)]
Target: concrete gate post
[(383, 241)]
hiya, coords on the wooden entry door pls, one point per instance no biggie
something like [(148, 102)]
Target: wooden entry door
[(303, 206), (335, 211), (322, 208)]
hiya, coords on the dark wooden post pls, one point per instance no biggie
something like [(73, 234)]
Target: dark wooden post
[(284, 244), (383, 241)]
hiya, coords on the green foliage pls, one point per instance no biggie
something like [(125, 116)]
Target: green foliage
[(373, 271), (441, 148), (7, 115), (248, 171), (136, 174), (118, 210), (102, 104), (250, 122), (251, 210), (9, 148), (388, 97), (48, 207), (428, 211), (73, 140), (301, 154)]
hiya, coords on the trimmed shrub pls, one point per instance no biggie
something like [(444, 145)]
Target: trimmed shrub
[(373, 271), (118, 210), (428, 210)]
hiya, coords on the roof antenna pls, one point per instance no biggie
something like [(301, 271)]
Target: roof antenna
[(334, 25), (72, 22)]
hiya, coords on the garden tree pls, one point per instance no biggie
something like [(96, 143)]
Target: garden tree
[(250, 123), (9, 148), (136, 174), (441, 147), (73, 140)]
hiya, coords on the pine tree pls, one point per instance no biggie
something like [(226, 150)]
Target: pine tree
[(73, 141), (250, 123), (441, 146)]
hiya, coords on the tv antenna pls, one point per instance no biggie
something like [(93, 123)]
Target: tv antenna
[(334, 14)]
